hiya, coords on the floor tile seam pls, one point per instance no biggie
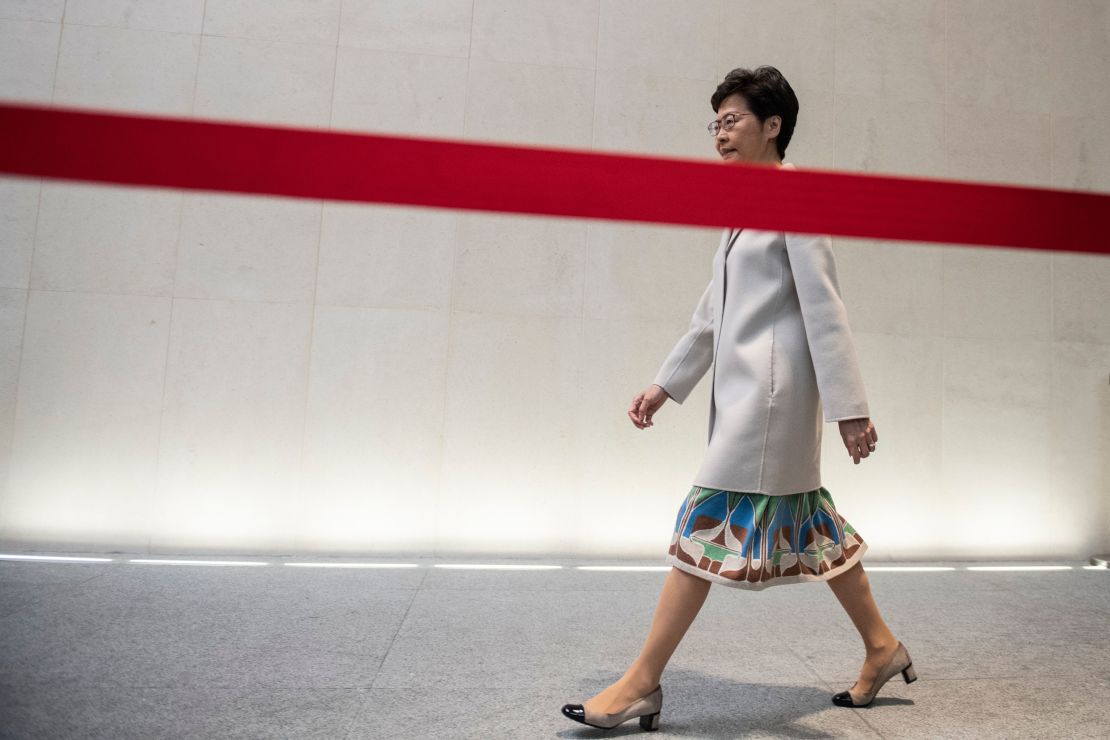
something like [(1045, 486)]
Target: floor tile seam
[(1069, 678), (100, 684), (805, 663), (863, 718), (832, 690), (397, 631), (540, 687), (653, 589)]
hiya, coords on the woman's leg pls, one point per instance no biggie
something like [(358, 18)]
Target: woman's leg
[(681, 600), (853, 589)]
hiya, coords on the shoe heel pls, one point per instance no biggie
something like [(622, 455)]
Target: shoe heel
[(909, 675), (649, 721)]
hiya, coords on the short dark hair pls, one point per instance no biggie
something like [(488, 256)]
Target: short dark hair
[(767, 93)]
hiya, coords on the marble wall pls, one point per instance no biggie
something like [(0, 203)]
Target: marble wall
[(201, 372)]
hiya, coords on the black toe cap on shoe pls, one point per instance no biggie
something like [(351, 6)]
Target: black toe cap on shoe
[(843, 699), (575, 712)]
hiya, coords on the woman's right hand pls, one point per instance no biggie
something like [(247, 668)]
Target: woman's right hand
[(645, 404)]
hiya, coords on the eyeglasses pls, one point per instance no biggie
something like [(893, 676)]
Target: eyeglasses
[(730, 121)]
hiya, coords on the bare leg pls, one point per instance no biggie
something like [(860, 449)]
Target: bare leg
[(681, 600), (853, 589)]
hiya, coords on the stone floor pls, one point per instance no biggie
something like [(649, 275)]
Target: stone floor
[(137, 650)]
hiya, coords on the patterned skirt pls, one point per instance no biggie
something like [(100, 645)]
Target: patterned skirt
[(755, 540)]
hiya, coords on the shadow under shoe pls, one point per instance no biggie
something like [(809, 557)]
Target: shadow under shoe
[(647, 708), (900, 661)]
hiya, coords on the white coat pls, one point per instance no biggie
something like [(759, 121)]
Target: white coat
[(773, 326)]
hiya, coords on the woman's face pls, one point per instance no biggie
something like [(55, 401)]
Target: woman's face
[(749, 140)]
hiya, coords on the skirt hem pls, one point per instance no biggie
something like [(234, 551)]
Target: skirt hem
[(777, 581)]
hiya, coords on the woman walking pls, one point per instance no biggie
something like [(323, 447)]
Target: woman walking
[(772, 325)]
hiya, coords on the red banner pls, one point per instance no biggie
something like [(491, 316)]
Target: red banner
[(146, 150)]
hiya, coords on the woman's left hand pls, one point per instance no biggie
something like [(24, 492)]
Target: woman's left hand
[(859, 436)]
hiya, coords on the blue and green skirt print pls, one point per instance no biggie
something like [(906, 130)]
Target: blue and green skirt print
[(756, 540)]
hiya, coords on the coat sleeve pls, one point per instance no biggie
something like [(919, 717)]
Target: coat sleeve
[(835, 363), (691, 356)]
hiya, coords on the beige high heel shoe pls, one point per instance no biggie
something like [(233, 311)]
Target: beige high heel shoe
[(647, 708), (899, 661)]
